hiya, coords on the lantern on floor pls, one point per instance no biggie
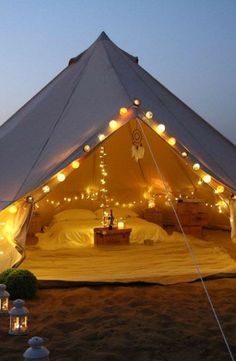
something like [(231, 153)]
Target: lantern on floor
[(36, 351), (18, 318), (4, 298)]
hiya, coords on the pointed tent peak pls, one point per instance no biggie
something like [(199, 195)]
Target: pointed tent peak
[(104, 37)]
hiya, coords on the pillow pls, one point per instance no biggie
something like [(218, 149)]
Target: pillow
[(118, 212), (73, 214)]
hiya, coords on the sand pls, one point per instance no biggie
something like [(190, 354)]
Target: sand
[(121, 323)]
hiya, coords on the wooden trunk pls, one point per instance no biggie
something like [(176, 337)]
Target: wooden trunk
[(115, 236)]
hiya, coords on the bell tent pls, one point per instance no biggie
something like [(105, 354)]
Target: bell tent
[(104, 134)]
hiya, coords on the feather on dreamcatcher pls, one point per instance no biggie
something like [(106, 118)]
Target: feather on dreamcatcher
[(137, 147)]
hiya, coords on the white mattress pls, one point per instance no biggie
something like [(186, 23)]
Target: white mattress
[(79, 233)]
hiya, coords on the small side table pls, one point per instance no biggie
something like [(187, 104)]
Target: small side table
[(114, 236)]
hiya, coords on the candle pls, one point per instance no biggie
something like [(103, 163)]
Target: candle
[(121, 225)]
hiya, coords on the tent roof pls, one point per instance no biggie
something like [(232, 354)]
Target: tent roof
[(49, 130)]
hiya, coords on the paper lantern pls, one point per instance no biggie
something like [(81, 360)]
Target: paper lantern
[(123, 111), (61, 177), (36, 351), (149, 115), (206, 178), (172, 141), (160, 129), (196, 166), (4, 298), (113, 124), (75, 164), (18, 319)]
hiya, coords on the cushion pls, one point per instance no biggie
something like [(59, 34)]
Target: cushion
[(118, 212), (73, 214)]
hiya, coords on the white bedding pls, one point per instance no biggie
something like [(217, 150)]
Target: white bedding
[(79, 233)]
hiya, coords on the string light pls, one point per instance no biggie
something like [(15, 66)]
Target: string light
[(123, 111), (13, 209), (61, 177), (172, 141), (46, 189), (184, 154), (137, 102), (87, 148), (75, 164), (101, 137), (149, 115), (196, 166), (206, 178), (113, 124), (160, 129)]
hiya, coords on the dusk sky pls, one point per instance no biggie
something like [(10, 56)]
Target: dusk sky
[(188, 45)]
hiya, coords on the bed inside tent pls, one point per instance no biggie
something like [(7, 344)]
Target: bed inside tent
[(151, 184)]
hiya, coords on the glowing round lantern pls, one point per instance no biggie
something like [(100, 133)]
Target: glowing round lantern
[(123, 111), (61, 177), (36, 351), (137, 102), (46, 189), (160, 128), (149, 115), (101, 137), (13, 209), (75, 164), (4, 298), (18, 318), (172, 141), (206, 178), (87, 148), (196, 166), (113, 124)]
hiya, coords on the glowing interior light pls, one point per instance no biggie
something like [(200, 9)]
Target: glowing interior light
[(123, 111), (196, 166), (160, 129), (101, 137), (13, 209), (172, 141), (113, 124), (87, 148), (184, 154), (149, 115), (199, 182), (220, 189), (1, 252), (75, 164), (206, 178), (46, 189)]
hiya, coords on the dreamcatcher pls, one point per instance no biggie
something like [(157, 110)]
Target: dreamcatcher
[(137, 147)]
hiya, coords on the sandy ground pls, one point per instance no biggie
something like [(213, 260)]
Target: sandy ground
[(141, 323)]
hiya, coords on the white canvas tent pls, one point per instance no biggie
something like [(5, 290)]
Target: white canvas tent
[(51, 130)]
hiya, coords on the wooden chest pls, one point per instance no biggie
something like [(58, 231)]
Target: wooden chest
[(114, 236)]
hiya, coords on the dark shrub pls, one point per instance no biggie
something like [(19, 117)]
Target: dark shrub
[(20, 283), (5, 274)]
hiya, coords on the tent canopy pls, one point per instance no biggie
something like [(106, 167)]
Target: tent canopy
[(49, 131)]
